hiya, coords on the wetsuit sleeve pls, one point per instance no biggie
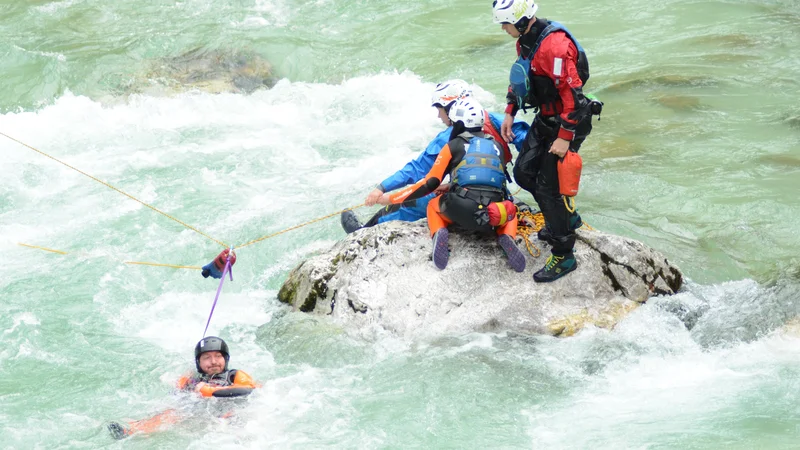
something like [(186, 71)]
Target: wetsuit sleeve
[(417, 168), (426, 185), (558, 61)]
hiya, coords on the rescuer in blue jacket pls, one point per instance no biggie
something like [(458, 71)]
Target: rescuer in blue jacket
[(444, 96)]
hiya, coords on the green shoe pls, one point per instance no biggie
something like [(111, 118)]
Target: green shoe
[(555, 268)]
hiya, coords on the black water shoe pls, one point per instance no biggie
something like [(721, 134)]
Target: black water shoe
[(350, 222)]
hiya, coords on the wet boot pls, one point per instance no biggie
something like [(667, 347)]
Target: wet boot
[(441, 253), (515, 257), (350, 222), (556, 267)]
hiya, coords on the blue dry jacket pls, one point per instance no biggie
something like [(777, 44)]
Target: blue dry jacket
[(417, 168)]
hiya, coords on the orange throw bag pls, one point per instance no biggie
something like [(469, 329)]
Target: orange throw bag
[(569, 173)]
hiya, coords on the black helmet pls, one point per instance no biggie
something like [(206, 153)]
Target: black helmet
[(211, 344)]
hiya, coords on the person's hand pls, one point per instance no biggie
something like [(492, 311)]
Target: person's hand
[(505, 128), (373, 197), (442, 189), (384, 200), (559, 147)]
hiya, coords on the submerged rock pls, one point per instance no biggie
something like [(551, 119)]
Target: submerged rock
[(681, 103), (214, 71), (650, 79), (383, 276)]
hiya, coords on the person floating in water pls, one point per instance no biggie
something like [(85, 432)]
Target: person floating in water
[(444, 96), (476, 197), (212, 379)]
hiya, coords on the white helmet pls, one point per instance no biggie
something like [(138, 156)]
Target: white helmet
[(468, 111), (449, 91), (512, 11)]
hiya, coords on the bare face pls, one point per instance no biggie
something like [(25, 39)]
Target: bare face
[(443, 116), (510, 29), (212, 363)]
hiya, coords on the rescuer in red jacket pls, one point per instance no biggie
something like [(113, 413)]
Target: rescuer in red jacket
[(549, 74)]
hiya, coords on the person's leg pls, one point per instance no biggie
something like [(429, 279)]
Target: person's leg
[(412, 213), (525, 168), (436, 219), (560, 222), (407, 213), (437, 224), (574, 222), (510, 228), (505, 238), (159, 421)]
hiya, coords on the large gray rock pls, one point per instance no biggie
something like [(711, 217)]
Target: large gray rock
[(383, 276)]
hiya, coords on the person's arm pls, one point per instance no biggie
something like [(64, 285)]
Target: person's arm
[(426, 185), (519, 129), (512, 106), (558, 62), (418, 167)]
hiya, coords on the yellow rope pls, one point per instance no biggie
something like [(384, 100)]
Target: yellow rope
[(567, 203), (42, 248), (126, 262), (173, 266), (528, 224), (118, 190), (298, 226), (313, 221)]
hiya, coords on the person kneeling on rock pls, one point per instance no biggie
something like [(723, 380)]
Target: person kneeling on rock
[(476, 198)]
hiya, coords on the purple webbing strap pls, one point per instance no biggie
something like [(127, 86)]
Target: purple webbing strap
[(229, 271)]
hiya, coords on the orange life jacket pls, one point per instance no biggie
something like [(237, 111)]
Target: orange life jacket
[(243, 384)]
